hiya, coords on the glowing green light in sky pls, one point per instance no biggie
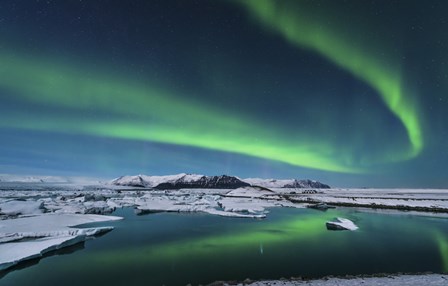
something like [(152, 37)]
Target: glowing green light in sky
[(318, 37), (102, 104), (83, 100)]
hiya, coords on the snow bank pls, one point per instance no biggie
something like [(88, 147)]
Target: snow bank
[(392, 280), (426, 200), (211, 204), (246, 202), (251, 192), (30, 237), (15, 207)]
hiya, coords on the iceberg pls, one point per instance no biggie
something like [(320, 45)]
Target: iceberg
[(30, 237), (341, 224)]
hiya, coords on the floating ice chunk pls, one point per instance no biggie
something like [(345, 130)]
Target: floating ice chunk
[(15, 207), (233, 214), (250, 192), (341, 224), (30, 237)]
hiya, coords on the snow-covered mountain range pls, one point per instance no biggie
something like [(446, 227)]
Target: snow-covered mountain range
[(38, 179), (181, 181), (32, 179), (192, 181), (288, 183)]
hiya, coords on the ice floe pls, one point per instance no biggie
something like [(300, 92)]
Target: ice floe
[(341, 224), (30, 237)]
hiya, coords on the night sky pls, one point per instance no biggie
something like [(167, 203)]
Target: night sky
[(351, 93)]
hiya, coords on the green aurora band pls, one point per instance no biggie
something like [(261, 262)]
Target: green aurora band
[(306, 33), (143, 112), (86, 100), (139, 111)]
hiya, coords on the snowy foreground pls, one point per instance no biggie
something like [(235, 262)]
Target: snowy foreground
[(400, 280), (248, 202), (34, 222), (36, 218), (426, 200), (251, 202), (30, 237)]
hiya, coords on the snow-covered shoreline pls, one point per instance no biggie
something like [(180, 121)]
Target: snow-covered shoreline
[(78, 204), (381, 280), (241, 202), (31, 237), (424, 200), (250, 202)]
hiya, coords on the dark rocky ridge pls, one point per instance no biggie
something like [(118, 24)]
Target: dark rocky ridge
[(205, 182), (181, 181), (189, 181)]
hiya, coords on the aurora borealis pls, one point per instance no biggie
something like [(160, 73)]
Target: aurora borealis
[(353, 59), (352, 93)]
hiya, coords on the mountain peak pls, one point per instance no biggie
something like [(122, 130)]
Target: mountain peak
[(181, 181), (194, 181)]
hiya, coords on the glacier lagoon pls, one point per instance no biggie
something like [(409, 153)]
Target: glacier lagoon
[(177, 249)]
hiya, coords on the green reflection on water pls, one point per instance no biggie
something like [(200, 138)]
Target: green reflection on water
[(301, 228), (177, 249), (442, 241)]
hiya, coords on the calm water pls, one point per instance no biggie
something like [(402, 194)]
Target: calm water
[(176, 249)]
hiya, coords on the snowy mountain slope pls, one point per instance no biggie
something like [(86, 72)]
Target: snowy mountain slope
[(38, 179), (192, 181), (289, 183), (180, 181), (32, 179)]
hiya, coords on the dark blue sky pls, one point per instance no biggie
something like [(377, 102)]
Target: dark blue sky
[(353, 93)]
